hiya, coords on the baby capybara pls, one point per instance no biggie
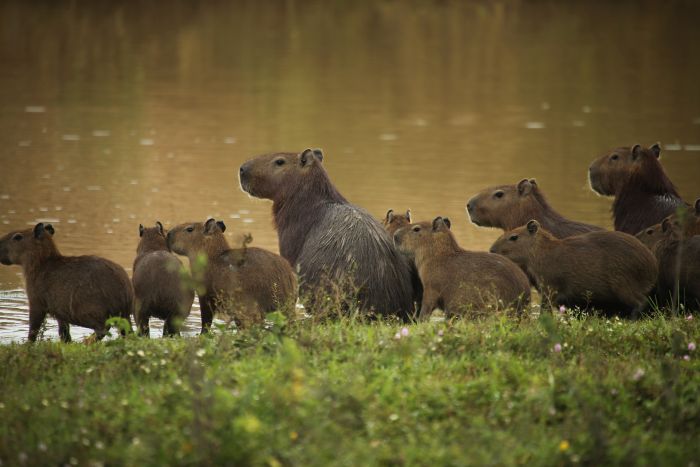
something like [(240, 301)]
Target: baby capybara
[(393, 221), (457, 280), (327, 239), (81, 290), (610, 271), (510, 206), (644, 195), (160, 288), (688, 220), (244, 283)]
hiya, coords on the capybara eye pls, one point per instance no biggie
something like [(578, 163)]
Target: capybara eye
[(280, 162), (17, 237), (513, 238), (416, 228), (650, 231), (614, 157), (498, 194), (190, 229)]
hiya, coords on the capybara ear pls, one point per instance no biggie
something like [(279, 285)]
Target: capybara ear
[(49, 228), (533, 182), (447, 222), (160, 228), (318, 154), (524, 187), (440, 224), (666, 224), (389, 215), (636, 151), (697, 207), (309, 156), (656, 149), (39, 230), (533, 226), (408, 214), (141, 229), (221, 225), (210, 226)]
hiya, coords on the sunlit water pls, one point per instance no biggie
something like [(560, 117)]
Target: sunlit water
[(113, 115)]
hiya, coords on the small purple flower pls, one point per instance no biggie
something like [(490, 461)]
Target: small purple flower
[(440, 333), (562, 309), (691, 346), (404, 332), (557, 347), (689, 317), (686, 357)]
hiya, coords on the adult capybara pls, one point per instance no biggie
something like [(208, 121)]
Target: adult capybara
[(81, 290), (328, 239), (160, 288), (688, 220), (678, 258), (458, 280), (393, 221), (610, 271), (243, 283), (644, 195), (509, 206)]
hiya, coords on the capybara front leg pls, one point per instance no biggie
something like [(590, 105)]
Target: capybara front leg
[(430, 301), (64, 331)]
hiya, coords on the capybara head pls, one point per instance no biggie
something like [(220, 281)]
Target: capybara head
[(152, 238), (270, 176), (393, 221), (608, 174), (421, 235), (517, 244), (497, 206), (650, 236), (193, 238), (17, 247)]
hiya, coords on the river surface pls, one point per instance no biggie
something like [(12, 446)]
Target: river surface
[(119, 113)]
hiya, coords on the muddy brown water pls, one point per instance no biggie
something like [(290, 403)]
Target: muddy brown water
[(116, 114)]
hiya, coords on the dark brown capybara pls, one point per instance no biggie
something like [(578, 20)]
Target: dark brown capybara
[(393, 221), (690, 220), (244, 283), (644, 195), (160, 288), (609, 271), (458, 280), (678, 258), (510, 206), (325, 237), (81, 290)]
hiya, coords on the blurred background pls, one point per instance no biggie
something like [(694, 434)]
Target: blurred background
[(119, 113)]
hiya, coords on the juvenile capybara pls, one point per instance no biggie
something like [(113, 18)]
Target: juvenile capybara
[(609, 271), (678, 258), (81, 290), (393, 221), (644, 195), (244, 283), (457, 280), (327, 239), (510, 206), (688, 220), (160, 287)]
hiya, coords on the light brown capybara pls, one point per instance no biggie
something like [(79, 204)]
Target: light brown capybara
[(609, 271), (510, 206), (644, 195), (678, 258), (457, 280), (160, 288), (393, 221), (330, 241), (690, 220), (81, 290), (243, 283)]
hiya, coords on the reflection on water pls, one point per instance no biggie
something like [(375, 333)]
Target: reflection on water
[(115, 114)]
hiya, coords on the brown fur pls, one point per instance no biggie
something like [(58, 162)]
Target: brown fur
[(329, 240), (244, 282), (644, 195), (509, 206), (458, 280), (81, 290), (393, 221), (691, 226), (611, 271), (159, 287)]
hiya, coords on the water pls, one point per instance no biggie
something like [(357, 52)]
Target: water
[(113, 115)]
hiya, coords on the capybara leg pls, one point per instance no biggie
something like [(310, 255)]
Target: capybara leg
[(143, 325), (36, 319), (430, 301), (64, 331), (207, 314), (171, 328)]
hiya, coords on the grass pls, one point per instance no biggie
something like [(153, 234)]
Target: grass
[(491, 391)]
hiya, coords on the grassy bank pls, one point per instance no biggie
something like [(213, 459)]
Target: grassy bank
[(548, 390)]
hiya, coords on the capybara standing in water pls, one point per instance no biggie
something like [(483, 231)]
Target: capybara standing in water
[(644, 195), (244, 283), (458, 280), (81, 290), (328, 239), (159, 287), (510, 206), (393, 222), (610, 271)]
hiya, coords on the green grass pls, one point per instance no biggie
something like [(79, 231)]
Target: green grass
[(492, 391)]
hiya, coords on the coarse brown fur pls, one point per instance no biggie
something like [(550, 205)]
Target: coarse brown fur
[(243, 283), (393, 221), (329, 240), (644, 195), (81, 290), (160, 288), (458, 280), (690, 220), (510, 206), (610, 271)]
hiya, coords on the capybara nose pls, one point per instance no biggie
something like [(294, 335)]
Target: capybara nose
[(470, 207), (243, 171)]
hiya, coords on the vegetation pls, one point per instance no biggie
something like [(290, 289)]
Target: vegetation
[(542, 390)]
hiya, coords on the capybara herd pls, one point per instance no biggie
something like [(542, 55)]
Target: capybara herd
[(396, 267)]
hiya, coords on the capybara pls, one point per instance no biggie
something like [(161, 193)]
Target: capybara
[(81, 290), (690, 220), (160, 287), (644, 195), (393, 221), (457, 280), (678, 258), (244, 283), (510, 206), (327, 239), (609, 271)]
